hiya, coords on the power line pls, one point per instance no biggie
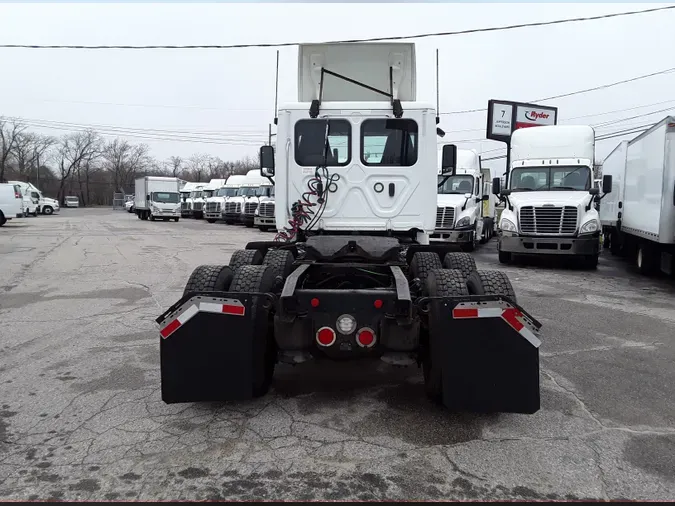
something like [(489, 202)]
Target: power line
[(578, 92), (347, 41)]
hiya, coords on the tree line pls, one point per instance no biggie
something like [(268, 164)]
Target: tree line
[(85, 164)]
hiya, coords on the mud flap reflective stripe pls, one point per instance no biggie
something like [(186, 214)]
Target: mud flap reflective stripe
[(487, 352), (207, 346), (188, 310), (497, 309)]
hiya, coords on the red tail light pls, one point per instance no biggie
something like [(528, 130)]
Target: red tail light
[(17, 195), (325, 336), (365, 337)]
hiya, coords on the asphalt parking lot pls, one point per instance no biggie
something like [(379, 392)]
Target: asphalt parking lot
[(81, 415)]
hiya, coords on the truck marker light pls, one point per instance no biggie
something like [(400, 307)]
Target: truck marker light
[(314, 302), (325, 336), (365, 338), (377, 304)]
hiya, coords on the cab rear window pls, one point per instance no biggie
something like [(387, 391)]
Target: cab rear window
[(320, 141), (389, 142)]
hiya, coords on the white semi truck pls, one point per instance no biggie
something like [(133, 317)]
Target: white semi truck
[(461, 216), (186, 201), (157, 198), (353, 275), (638, 217), (264, 214), (214, 205), (549, 195), (244, 203)]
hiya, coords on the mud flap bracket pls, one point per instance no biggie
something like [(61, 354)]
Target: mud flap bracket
[(488, 350)]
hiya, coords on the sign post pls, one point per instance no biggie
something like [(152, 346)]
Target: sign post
[(504, 117)]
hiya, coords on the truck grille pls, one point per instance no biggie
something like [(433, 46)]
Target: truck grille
[(548, 220), (250, 207), (267, 209), (232, 208), (445, 217), (198, 206), (184, 206), (212, 207)]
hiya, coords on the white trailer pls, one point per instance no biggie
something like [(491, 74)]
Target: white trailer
[(639, 219), (550, 195), (157, 197)]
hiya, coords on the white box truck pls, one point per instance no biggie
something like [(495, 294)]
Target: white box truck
[(550, 195), (465, 213), (157, 197), (638, 217)]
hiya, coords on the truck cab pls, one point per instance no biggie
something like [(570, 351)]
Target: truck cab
[(550, 195), (212, 201), (460, 216), (157, 197), (264, 214), (240, 207)]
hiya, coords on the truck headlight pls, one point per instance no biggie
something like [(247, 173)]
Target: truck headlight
[(589, 227), (463, 222), (508, 226)]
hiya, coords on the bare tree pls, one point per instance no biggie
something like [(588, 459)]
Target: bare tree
[(125, 161), (74, 151), (176, 165), (29, 148), (10, 130), (197, 165)]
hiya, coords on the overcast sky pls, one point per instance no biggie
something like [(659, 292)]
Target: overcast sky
[(227, 96)]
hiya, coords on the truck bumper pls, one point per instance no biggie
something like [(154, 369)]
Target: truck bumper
[(453, 236), (231, 217), (265, 222), (186, 214), (247, 219), (212, 216), (525, 245)]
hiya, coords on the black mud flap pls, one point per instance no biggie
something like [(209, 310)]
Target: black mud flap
[(206, 346), (488, 352)]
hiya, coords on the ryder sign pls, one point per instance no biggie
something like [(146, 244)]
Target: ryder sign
[(504, 117)]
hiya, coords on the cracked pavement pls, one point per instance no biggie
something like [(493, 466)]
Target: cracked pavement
[(81, 415)]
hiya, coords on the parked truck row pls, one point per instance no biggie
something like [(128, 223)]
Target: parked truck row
[(19, 199)]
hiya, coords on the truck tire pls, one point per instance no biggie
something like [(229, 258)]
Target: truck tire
[(440, 283), (263, 228), (280, 260), (422, 263), (645, 259), (490, 283), (211, 220), (176, 219), (461, 261), (3, 220), (261, 279), (590, 262), (47, 210), (243, 257), (209, 278), (504, 257)]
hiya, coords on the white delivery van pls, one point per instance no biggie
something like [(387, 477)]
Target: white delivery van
[(215, 205), (461, 216), (31, 198), (549, 195), (157, 197), (638, 216), (71, 201), (11, 202)]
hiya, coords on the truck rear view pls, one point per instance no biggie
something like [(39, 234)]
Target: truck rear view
[(351, 274)]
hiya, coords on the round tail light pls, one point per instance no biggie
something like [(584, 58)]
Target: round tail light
[(325, 336), (365, 337)]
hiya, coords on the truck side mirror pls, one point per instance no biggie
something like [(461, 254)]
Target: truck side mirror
[(267, 161), (486, 197), (449, 159), (607, 184), (496, 186), (593, 191), (147, 197)]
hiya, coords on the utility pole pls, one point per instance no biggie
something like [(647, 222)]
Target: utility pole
[(269, 138), (37, 168)]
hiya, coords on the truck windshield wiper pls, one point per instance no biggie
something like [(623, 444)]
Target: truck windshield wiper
[(564, 188)]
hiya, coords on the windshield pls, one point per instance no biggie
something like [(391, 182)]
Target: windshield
[(196, 194), (71, 199), (550, 178), (455, 185), (249, 191), (208, 193), (165, 197), (226, 192)]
